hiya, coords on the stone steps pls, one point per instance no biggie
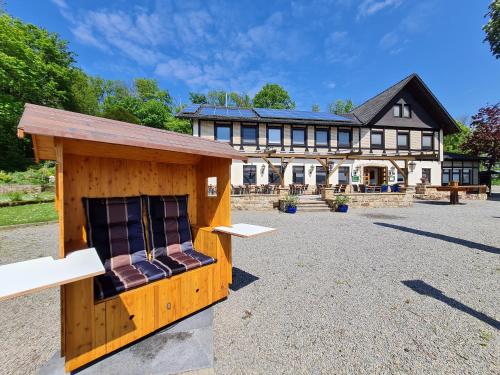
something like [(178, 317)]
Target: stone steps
[(312, 205)]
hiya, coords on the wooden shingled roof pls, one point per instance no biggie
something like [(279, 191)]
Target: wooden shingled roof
[(44, 121)]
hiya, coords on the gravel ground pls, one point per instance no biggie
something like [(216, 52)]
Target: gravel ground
[(325, 294)]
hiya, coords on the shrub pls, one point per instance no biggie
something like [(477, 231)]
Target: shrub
[(15, 196), (341, 199), (5, 178), (291, 200)]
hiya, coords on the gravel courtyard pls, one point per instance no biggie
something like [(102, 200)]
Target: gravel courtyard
[(378, 291)]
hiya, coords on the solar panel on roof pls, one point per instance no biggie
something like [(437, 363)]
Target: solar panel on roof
[(191, 108), (298, 115), (227, 112)]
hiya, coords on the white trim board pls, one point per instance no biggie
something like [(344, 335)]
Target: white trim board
[(244, 230), (26, 277)]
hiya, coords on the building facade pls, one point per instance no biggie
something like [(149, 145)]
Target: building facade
[(394, 137)]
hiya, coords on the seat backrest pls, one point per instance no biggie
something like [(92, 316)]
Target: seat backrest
[(115, 228), (168, 226)]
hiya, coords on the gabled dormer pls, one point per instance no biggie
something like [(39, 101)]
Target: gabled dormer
[(407, 104)]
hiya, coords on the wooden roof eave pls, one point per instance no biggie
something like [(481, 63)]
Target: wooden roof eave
[(45, 124)]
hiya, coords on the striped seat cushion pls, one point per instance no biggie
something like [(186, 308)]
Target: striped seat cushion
[(114, 228), (127, 277), (169, 234)]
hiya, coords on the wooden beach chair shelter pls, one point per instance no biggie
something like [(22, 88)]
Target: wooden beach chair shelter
[(140, 197)]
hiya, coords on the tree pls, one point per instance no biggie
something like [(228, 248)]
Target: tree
[(454, 142), (273, 96), (315, 108), (198, 98), (240, 100), (35, 67), (120, 114), (340, 106), (485, 137), (492, 28)]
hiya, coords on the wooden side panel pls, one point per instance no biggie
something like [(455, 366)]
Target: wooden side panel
[(218, 246), (81, 345), (167, 301), (214, 210), (129, 317), (196, 289), (44, 147)]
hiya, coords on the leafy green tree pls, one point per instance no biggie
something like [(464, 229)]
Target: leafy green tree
[(492, 28), (198, 98), (240, 100), (120, 114), (273, 96), (454, 142), (315, 108), (35, 67), (340, 106)]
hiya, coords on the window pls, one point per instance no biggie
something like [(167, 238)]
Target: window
[(396, 110), (274, 135), (212, 186), (320, 175), (250, 174), (427, 141), (273, 177), (406, 111), (344, 175), (466, 176), (446, 176), (455, 175), (377, 139), (403, 141), (321, 136), (426, 174), (344, 137), (298, 136), (298, 175), (249, 134), (223, 132)]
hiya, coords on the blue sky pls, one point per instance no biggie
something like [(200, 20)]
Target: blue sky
[(319, 50)]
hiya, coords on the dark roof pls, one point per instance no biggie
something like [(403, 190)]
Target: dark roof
[(210, 112), (39, 120), (367, 111), (456, 156)]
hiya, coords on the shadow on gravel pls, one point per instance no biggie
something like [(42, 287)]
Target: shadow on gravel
[(241, 279), (421, 287), (438, 203), (443, 237)]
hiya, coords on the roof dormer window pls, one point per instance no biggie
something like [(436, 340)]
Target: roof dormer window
[(397, 110), (401, 110), (406, 111)]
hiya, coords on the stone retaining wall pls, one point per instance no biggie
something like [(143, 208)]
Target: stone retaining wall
[(258, 202), (445, 195), (10, 188), (376, 200)]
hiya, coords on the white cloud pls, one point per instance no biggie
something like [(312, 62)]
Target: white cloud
[(60, 3), (370, 7), (331, 85), (389, 40)]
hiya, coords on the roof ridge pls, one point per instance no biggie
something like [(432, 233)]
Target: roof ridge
[(412, 75)]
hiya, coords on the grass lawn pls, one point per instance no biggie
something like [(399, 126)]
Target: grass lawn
[(30, 213)]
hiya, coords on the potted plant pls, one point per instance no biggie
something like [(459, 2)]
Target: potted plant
[(396, 188), (384, 188), (341, 202), (290, 203)]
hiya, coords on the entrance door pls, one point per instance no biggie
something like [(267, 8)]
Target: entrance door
[(374, 175)]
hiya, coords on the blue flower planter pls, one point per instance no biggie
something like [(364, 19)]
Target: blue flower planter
[(291, 210), (342, 208), (384, 188), (395, 188)]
